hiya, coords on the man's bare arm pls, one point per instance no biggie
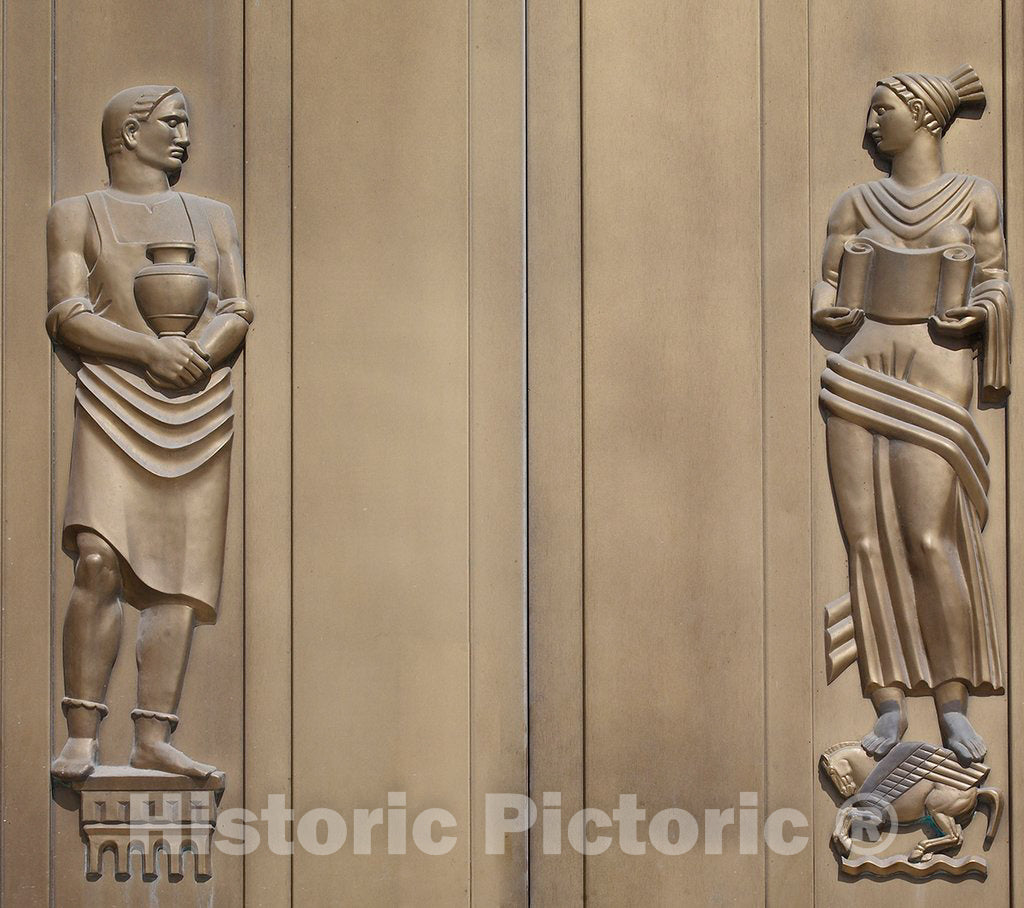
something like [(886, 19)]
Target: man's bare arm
[(71, 321), (226, 332)]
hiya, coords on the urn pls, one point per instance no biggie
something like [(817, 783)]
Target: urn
[(171, 293)]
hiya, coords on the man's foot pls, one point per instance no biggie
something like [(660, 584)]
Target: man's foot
[(77, 760), (889, 728), (960, 737), (162, 756)]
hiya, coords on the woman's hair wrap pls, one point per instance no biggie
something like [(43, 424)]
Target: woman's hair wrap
[(942, 96)]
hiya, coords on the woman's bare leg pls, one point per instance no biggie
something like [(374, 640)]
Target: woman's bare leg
[(851, 452), (925, 489)]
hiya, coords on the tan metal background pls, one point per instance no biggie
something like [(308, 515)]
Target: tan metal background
[(682, 531), (655, 177), (372, 634)]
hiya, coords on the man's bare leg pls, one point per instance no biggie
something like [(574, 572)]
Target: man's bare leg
[(957, 733), (165, 639), (92, 635), (891, 708)]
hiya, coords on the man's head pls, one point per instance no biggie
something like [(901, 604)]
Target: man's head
[(151, 123)]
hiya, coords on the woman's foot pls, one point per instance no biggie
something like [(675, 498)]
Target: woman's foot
[(77, 760), (889, 728), (960, 737), (958, 734), (891, 709), (162, 756)]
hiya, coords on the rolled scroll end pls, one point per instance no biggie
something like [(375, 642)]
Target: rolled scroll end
[(955, 272), (853, 273)]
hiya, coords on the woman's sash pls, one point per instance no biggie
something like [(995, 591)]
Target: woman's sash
[(905, 412)]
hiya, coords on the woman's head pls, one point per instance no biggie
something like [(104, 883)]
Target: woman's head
[(907, 102), (151, 122)]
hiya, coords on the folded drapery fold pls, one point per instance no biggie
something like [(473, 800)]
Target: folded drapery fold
[(995, 298), (899, 410), (880, 623)]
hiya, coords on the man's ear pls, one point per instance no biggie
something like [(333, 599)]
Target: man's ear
[(917, 108), (130, 133)]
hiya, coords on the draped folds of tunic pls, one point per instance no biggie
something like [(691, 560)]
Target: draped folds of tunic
[(150, 466), (905, 385)]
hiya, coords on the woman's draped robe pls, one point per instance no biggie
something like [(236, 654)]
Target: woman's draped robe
[(879, 382)]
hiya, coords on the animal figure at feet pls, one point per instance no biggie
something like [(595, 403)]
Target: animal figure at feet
[(914, 784)]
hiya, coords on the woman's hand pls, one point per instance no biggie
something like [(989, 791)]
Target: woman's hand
[(838, 319), (177, 362), (959, 322)]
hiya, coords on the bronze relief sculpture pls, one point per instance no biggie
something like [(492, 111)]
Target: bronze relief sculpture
[(916, 780), (914, 279), (147, 308)]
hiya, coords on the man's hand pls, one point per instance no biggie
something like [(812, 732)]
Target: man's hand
[(177, 362)]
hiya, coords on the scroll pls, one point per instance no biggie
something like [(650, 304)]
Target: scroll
[(904, 286)]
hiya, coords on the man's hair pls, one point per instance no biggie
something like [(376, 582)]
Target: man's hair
[(139, 102)]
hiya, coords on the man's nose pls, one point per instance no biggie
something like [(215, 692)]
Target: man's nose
[(182, 135)]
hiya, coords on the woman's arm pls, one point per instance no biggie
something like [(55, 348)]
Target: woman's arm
[(226, 331), (991, 294), (989, 265), (842, 226), (72, 322), (987, 235)]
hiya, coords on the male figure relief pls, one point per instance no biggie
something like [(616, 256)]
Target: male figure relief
[(147, 498)]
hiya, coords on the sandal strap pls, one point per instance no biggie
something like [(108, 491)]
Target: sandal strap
[(76, 703), (170, 718)]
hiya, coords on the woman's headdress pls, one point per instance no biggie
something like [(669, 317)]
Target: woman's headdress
[(942, 96)]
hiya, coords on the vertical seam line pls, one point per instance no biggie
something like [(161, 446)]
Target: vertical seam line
[(583, 469), (469, 434), (53, 451)]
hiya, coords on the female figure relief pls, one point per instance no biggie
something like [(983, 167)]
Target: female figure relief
[(147, 497), (914, 274)]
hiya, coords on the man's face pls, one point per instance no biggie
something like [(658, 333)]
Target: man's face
[(162, 140)]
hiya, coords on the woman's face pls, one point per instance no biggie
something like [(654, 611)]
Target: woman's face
[(891, 123)]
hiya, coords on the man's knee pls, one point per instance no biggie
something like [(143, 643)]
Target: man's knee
[(97, 569)]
